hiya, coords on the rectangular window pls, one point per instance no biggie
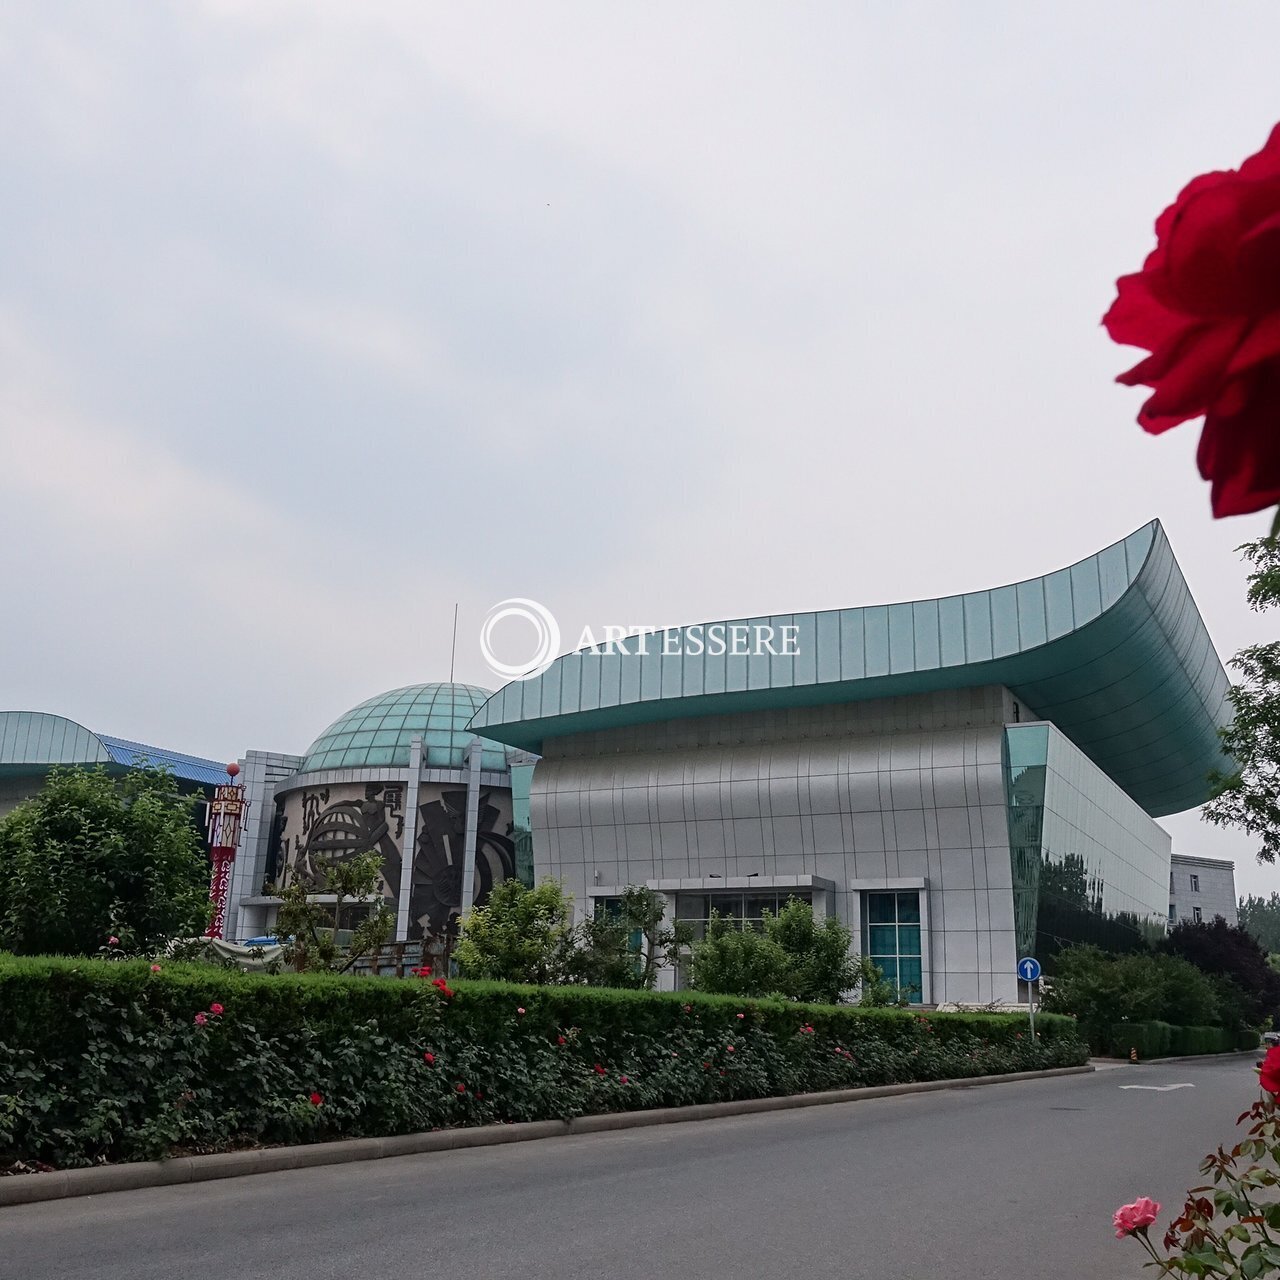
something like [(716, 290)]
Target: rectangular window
[(1195, 912), (1173, 913), (746, 909), (1170, 881), (891, 933), (1195, 884)]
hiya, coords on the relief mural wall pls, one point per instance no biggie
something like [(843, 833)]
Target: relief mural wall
[(323, 826)]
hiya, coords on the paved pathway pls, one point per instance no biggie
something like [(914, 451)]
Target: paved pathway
[(1013, 1182)]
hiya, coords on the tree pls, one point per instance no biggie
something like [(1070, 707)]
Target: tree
[(821, 967), (793, 955), (1260, 917), (313, 931), (1249, 796), (519, 935), (91, 857), (1229, 952), (633, 939), (733, 961)]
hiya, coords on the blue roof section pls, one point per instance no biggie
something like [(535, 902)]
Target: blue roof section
[(137, 755), (31, 742), (1112, 650)]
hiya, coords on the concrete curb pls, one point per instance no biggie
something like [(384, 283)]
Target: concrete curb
[(1195, 1057), (62, 1183)]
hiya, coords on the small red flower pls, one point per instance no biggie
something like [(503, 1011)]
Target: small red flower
[(742, 1015), (728, 1048), (520, 1011), (317, 1099), (623, 1080), (429, 1059), (113, 941), (561, 1040), (479, 1094), (600, 1071), (460, 1087), (155, 968), (200, 1019), (443, 988), (215, 1009)]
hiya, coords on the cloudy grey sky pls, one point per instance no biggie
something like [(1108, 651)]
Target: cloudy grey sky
[(316, 319)]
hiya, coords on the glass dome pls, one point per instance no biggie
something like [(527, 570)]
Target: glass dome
[(379, 731)]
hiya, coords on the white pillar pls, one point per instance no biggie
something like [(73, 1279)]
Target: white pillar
[(409, 842), (472, 826)]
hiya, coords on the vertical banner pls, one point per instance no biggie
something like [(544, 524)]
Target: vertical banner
[(225, 820)]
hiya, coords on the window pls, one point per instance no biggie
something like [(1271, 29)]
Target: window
[(1195, 914), (694, 909), (1171, 882), (891, 937), (1195, 884), (1173, 913)]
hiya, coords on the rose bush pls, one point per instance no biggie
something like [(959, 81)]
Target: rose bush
[(1206, 305), (1225, 1227), (103, 1061)]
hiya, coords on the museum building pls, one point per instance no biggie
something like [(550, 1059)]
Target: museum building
[(399, 775), (963, 780)]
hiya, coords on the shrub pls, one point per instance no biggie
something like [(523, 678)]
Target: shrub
[(794, 955), (102, 1061), (1151, 1039), (1103, 991)]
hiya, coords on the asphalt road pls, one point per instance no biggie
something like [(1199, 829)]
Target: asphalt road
[(1011, 1182)]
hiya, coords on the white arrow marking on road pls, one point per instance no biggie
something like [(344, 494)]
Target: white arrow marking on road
[(1158, 1088)]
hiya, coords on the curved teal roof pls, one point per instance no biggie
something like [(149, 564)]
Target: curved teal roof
[(34, 741), (380, 730), (1112, 650)]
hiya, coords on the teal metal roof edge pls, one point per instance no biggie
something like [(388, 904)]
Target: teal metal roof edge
[(1112, 650)]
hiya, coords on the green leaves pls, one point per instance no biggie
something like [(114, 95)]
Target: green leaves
[(92, 856), (103, 1061)]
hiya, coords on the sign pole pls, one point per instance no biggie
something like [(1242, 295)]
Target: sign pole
[(1029, 972)]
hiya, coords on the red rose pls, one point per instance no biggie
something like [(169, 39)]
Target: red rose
[(1206, 304), (429, 1059), (461, 1088), (316, 1099), (1269, 1076)]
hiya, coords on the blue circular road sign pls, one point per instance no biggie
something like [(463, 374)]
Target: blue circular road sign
[(1029, 969)]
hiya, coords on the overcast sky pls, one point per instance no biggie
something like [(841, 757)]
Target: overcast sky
[(316, 319)]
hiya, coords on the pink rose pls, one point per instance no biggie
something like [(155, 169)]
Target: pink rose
[(155, 968), (215, 1008), (729, 1049), (742, 1015), (200, 1019), (520, 1011), (1137, 1216), (113, 941)]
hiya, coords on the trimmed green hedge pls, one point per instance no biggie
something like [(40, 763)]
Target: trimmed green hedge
[(107, 1061), (1160, 1039)]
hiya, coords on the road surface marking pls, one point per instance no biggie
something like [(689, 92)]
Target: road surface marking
[(1158, 1088)]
